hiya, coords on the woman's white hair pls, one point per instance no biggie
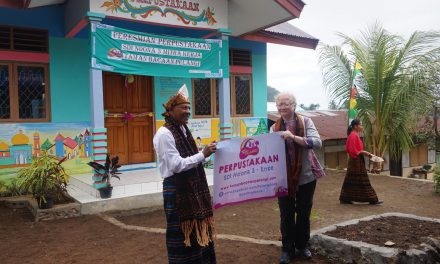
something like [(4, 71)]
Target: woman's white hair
[(291, 97)]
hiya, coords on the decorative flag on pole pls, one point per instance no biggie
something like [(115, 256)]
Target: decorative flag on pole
[(352, 112)]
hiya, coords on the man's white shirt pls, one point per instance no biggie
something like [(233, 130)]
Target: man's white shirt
[(170, 161)]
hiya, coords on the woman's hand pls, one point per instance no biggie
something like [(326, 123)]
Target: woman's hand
[(287, 135), (366, 153)]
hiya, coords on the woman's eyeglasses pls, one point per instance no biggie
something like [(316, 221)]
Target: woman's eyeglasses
[(284, 105)]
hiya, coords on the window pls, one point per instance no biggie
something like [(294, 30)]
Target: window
[(206, 94), (241, 95), (23, 39), (205, 97), (240, 57), (24, 92)]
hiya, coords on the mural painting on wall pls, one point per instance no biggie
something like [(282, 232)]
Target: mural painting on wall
[(254, 126), (200, 129), (20, 143), (194, 13), (205, 130)]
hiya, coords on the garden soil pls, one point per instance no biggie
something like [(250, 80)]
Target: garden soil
[(90, 239)]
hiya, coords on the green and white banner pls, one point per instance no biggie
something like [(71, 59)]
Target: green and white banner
[(130, 52)]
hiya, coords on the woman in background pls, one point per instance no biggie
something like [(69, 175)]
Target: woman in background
[(357, 186)]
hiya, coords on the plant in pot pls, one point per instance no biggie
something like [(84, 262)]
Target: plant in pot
[(104, 174), (45, 179)]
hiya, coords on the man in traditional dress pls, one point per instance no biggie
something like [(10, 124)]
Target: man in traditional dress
[(303, 169), (187, 201)]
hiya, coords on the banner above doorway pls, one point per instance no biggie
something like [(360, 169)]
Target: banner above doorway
[(130, 52)]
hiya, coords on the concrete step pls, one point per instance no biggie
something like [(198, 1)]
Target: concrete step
[(135, 190), (94, 205), (80, 184)]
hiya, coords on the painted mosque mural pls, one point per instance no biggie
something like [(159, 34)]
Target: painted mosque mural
[(20, 143)]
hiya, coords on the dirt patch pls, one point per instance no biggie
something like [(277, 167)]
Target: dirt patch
[(260, 219), (89, 239), (405, 232)]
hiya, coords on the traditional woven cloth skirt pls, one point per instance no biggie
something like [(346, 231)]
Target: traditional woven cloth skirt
[(177, 251), (357, 186)]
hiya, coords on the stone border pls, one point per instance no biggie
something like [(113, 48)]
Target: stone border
[(361, 252), (58, 211), (16, 202)]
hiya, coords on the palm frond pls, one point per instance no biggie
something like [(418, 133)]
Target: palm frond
[(396, 76)]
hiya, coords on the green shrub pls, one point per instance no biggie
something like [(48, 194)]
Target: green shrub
[(2, 188), (44, 178), (437, 180), (11, 188)]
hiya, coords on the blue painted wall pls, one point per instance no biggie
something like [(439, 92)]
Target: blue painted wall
[(69, 80), (50, 18), (259, 82), (259, 73), (69, 61)]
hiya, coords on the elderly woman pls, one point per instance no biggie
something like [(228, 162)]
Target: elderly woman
[(303, 169)]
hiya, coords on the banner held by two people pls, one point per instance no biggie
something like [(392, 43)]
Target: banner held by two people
[(247, 169)]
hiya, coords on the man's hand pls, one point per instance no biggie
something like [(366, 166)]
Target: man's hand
[(209, 149)]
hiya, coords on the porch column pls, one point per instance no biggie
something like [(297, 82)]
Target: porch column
[(225, 94), (98, 130)]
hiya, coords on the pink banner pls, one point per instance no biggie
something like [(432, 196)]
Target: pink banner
[(247, 169)]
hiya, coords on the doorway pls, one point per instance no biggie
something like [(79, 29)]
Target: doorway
[(128, 122)]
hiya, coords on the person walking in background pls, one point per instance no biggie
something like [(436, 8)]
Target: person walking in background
[(187, 201), (357, 186), (303, 169)]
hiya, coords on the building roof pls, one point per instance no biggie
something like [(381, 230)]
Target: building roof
[(59, 137), (330, 124), (290, 30), (46, 145), (284, 34), (70, 143), (20, 139), (4, 146)]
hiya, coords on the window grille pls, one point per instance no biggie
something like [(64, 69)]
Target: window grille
[(202, 97), (31, 92), (5, 104), (24, 39), (5, 38), (242, 86), (24, 92), (240, 57)]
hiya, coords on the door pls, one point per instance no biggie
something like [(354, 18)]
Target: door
[(129, 137)]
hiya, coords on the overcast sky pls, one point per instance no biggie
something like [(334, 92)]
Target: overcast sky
[(297, 70)]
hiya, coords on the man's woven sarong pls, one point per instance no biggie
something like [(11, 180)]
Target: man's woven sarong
[(177, 251)]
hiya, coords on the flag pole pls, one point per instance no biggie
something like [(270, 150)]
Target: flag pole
[(350, 94)]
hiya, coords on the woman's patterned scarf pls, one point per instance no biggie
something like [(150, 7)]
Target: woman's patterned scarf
[(293, 152), (193, 200)]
